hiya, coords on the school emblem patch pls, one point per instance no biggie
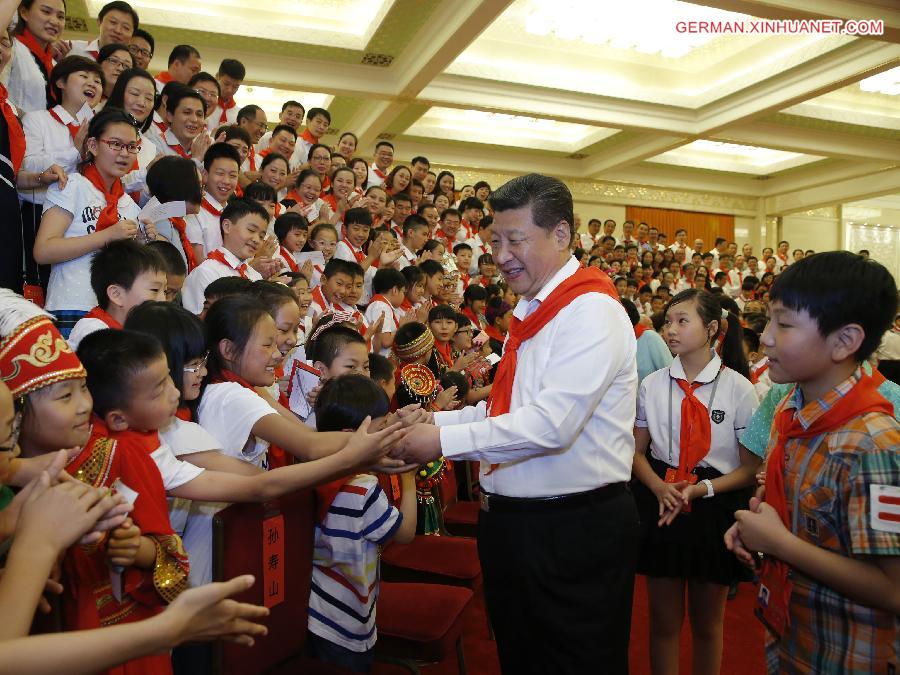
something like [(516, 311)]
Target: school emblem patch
[(718, 416), (884, 507)]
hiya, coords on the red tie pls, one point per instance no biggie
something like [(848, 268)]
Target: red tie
[(14, 130), (218, 256), (180, 150), (42, 56), (209, 208), (223, 118), (73, 128), (181, 227), (696, 431)]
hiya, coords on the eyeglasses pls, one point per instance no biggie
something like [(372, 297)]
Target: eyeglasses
[(193, 370), (119, 63), (205, 93), (140, 51), (12, 444), (118, 146)]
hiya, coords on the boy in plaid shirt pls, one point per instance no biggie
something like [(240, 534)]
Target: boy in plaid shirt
[(830, 524)]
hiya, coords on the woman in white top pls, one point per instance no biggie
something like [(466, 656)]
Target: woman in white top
[(693, 478), (41, 23), (91, 210), (306, 195)]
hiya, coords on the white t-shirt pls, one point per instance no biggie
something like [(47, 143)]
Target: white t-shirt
[(82, 328), (228, 412), (192, 294), (70, 281), (733, 406), (84, 48), (378, 308)]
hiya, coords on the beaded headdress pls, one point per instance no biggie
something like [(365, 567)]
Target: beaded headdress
[(415, 349)]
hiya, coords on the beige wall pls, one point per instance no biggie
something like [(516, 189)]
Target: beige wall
[(819, 230)]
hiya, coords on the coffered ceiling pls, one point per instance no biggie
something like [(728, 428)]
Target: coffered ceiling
[(587, 90)]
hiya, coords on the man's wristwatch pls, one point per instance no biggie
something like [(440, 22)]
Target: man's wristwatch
[(709, 488)]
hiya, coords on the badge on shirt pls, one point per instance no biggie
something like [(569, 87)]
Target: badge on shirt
[(884, 507), (718, 416)]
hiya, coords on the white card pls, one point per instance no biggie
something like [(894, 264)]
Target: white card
[(85, 114), (126, 492), (154, 211), (316, 257), (492, 358)]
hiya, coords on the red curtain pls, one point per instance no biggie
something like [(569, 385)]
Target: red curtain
[(706, 226)]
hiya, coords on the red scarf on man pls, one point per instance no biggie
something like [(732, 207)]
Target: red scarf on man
[(165, 77), (585, 280), (209, 208), (14, 131), (73, 128), (181, 227), (863, 398), (307, 136), (104, 316), (109, 216), (41, 54), (218, 256), (223, 118)]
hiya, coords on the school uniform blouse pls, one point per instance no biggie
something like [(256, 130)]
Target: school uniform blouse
[(70, 281), (205, 227), (570, 426), (27, 85), (47, 141), (87, 49), (228, 411), (733, 406)]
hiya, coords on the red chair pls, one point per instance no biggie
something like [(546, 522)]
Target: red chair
[(460, 517), (238, 549), (420, 623)]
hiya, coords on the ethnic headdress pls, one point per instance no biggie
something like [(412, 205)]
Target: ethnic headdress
[(415, 349), (33, 354)]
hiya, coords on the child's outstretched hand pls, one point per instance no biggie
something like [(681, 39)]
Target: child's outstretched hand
[(446, 399), (364, 448), (123, 544)]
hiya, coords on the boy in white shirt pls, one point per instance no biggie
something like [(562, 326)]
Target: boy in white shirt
[(388, 293), (230, 75), (243, 226), (317, 122), (123, 275), (337, 282), (415, 234), (221, 170)]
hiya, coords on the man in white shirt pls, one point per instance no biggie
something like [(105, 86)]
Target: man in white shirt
[(230, 76), (184, 63), (117, 21), (384, 157), (590, 238), (291, 115), (718, 249), (185, 116), (558, 530), (252, 119)]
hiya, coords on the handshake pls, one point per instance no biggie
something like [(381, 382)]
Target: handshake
[(422, 441)]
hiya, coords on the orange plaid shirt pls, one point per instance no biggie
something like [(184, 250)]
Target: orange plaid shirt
[(828, 478)]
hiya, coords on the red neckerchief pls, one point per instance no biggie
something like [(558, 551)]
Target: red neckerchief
[(319, 298), (307, 136), (586, 280), (104, 316), (73, 128), (445, 352), (293, 196), (639, 330), (695, 437), (148, 441), (180, 151), (465, 278), (181, 227), (440, 235), (469, 314), (289, 259), (378, 172), (357, 253), (223, 118), (863, 398), (329, 199), (494, 333), (470, 233), (184, 414), (208, 207), (231, 376), (165, 77), (406, 305), (110, 214), (14, 130), (218, 256), (266, 152), (380, 298), (252, 159), (326, 184), (161, 125), (41, 54)]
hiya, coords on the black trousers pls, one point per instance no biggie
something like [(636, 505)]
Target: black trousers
[(559, 586)]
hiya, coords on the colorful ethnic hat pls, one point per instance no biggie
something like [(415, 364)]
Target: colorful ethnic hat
[(416, 348), (33, 354)]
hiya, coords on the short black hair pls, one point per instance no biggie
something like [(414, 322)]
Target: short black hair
[(749, 283), (112, 358), (631, 311), (313, 112), (203, 76), (442, 312), (238, 208), (345, 401), (358, 216), (174, 179), (119, 6), (221, 151), (233, 131), (287, 222), (431, 267), (70, 65), (144, 35), (380, 368), (292, 104), (413, 221), (178, 95), (385, 143), (472, 203), (387, 278), (331, 341), (462, 246), (454, 378), (233, 69), (413, 275), (182, 53), (751, 339), (225, 286), (837, 288), (419, 160), (170, 254), (548, 198), (337, 266), (261, 192), (473, 293), (284, 127), (403, 197), (248, 112), (119, 263)]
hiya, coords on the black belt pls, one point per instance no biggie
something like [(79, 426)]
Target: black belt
[(502, 504)]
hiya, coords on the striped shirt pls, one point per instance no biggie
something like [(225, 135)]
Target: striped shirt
[(345, 563), (829, 478)]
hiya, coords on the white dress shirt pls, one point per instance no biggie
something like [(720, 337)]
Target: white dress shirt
[(570, 425), (90, 50), (47, 142), (25, 80), (192, 294)]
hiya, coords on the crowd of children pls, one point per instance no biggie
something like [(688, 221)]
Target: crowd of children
[(219, 313)]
